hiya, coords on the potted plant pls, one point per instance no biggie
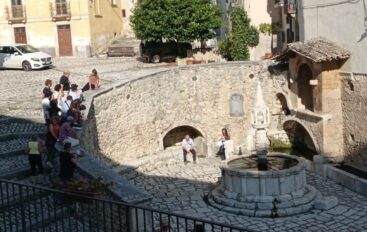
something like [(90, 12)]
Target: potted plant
[(86, 187)]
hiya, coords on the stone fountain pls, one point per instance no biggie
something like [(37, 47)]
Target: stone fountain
[(262, 184)]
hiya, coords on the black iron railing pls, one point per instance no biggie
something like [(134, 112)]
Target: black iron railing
[(26, 208)]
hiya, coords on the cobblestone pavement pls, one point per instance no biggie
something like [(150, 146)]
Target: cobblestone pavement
[(181, 188), (20, 92)]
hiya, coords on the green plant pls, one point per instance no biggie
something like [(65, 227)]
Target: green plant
[(175, 20), (241, 36), (266, 28), (88, 185)]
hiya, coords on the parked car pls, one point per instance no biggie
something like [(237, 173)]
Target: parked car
[(156, 52), (23, 56)]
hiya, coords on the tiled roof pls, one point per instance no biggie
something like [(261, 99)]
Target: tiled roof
[(318, 50)]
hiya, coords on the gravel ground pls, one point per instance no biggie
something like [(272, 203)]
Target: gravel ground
[(20, 92)]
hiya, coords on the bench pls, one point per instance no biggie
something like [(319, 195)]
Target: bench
[(120, 51)]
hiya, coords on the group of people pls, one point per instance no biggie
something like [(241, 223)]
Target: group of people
[(62, 110), (188, 146)]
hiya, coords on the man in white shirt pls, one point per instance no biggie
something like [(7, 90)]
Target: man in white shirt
[(188, 147)]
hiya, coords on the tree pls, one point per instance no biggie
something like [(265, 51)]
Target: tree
[(175, 20), (241, 36)]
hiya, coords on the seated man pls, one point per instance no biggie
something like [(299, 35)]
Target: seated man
[(188, 147)]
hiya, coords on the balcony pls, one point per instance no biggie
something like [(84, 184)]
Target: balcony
[(60, 11), (15, 14)]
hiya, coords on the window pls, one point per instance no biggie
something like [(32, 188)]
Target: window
[(123, 13), (16, 2), (114, 2), (97, 7), (7, 50), (236, 105)]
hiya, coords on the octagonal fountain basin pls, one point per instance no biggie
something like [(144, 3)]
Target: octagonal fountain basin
[(281, 190)]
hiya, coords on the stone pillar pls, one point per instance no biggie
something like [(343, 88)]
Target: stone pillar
[(331, 104)]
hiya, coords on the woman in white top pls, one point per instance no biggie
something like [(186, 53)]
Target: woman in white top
[(75, 92), (59, 92)]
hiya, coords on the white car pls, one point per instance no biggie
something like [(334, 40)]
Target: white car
[(23, 56)]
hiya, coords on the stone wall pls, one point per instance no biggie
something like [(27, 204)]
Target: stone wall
[(130, 120), (354, 99)]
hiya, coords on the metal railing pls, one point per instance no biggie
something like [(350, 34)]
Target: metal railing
[(26, 208)]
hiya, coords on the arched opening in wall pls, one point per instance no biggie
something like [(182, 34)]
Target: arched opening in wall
[(305, 89), (282, 101), (175, 136), (303, 143)]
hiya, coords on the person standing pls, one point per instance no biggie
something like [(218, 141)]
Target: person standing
[(33, 150), (51, 139), (46, 105), (188, 147), (47, 89), (67, 163), (65, 82)]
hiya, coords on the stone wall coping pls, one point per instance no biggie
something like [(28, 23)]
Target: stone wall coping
[(123, 189), (346, 179), (90, 95), (266, 174)]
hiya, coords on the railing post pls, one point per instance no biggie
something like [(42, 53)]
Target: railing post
[(138, 219), (22, 213)]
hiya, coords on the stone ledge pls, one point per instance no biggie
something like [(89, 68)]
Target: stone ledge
[(122, 189), (349, 181)]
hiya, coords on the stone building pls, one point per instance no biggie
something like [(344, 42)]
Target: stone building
[(310, 19), (60, 27), (127, 7), (314, 95)]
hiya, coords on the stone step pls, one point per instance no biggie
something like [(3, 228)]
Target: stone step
[(11, 128), (70, 224), (13, 163)]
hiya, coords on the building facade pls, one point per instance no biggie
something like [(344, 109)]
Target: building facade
[(343, 22), (127, 8), (60, 27)]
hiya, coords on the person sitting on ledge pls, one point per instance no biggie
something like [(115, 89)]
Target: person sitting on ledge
[(188, 147), (93, 81), (221, 144), (67, 133)]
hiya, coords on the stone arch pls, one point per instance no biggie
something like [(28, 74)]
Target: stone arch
[(285, 102), (301, 132), (174, 135), (305, 91)]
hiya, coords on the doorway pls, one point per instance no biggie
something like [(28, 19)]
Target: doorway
[(64, 38), (20, 35)]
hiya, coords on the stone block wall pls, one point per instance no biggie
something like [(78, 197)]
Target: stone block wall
[(354, 104), (130, 120)]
